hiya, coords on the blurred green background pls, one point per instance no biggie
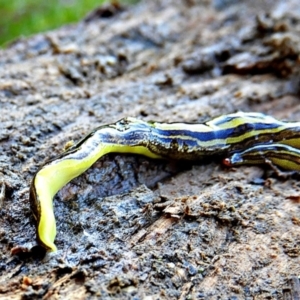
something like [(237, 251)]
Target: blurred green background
[(26, 17)]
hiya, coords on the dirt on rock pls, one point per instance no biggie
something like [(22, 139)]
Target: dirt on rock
[(132, 227)]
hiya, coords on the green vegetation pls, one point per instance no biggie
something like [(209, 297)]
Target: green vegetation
[(25, 17)]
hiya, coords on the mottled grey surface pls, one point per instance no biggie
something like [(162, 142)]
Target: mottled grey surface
[(125, 231)]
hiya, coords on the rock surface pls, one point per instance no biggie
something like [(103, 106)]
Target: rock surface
[(131, 227)]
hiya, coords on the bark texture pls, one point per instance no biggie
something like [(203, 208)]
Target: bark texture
[(131, 227)]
